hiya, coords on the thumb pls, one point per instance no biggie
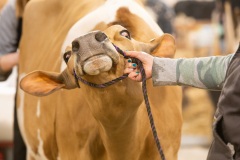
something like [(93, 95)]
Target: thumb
[(142, 56), (133, 54)]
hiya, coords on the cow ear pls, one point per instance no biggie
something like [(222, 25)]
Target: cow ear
[(163, 46), (40, 83)]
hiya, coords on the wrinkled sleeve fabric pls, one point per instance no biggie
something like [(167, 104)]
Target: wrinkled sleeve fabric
[(205, 72), (8, 28), (8, 33)]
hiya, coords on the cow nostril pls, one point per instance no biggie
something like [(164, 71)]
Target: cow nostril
[(75, 46), (100, 36)]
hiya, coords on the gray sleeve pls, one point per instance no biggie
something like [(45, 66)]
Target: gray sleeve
[(8, 33), (205, 72), (8, 28)]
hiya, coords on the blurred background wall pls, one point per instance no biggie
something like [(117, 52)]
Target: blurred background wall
[(2, 2)]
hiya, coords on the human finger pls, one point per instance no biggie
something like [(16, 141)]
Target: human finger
[(136, 76), (135, 54), (129, 60), (128, 70), (131, 65)]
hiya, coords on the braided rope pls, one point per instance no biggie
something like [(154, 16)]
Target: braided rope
[(150, 116), (100, 85), (145, 95)]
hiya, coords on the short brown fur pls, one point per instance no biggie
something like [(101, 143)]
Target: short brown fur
[(69, 122)]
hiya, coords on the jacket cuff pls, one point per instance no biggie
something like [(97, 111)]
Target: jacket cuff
[(164, 71)]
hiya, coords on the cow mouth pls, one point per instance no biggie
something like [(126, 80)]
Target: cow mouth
[(98, 63)]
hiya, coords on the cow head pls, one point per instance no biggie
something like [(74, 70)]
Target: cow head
[(94, 57)]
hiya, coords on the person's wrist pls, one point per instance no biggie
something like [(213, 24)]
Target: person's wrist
[(8, 61), (150, 67), (148, 71), (1, 70), (4, 70)]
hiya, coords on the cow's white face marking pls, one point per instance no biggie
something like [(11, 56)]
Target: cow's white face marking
[(38, 108), (106, 13)]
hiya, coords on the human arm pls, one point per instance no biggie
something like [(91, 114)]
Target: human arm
[(7, 62), (204, 72), (9, 24), (8, 29)]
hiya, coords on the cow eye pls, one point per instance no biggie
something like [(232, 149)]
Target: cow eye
[(66, 56), (126, 34)]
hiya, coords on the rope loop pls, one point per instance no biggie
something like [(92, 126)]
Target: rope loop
[(144, 90)]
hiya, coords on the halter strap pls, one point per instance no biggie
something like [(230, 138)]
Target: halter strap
[(103, 85), (145, 95)]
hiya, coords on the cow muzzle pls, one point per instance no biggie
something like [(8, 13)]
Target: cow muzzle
[(93, 53)]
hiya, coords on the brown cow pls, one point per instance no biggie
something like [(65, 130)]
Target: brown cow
[(90, 123)]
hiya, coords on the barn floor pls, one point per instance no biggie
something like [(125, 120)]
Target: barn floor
[(197, 116), (193, 153)]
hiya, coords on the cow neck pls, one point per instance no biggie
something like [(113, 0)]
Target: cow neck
[(124, 140), (144, 90)]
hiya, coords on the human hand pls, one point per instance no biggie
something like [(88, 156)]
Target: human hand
[(8, 61), (132, 68)]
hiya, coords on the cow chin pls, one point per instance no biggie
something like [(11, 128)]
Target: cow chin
[(97, 64)]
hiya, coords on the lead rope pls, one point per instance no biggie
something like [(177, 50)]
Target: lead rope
[(145, 95)]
